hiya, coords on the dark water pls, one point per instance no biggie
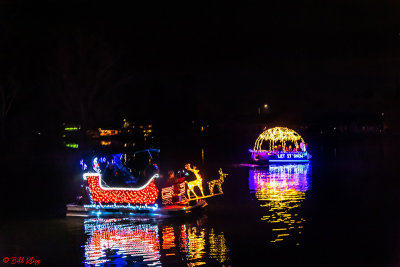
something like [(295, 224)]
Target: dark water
[(340, 210)]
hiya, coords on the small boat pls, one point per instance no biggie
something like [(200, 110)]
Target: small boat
[(279, 141), (139, 196)]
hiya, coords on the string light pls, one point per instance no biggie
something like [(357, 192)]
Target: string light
[(115, 206), (105, 143), (217, 182), (146, 194), (198, 182), (72, 145), (167, 193), (288, 160), (108, 132), (83, 165), (277, 134), (85, 175), (72, 128)]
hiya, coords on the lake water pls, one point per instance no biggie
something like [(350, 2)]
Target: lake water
[(339, 210)]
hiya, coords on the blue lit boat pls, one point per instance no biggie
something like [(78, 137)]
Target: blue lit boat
[(279, 141)]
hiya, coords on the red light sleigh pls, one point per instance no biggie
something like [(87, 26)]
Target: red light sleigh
[(146, 194), (177, 199)]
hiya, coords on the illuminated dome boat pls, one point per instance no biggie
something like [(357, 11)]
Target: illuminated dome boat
[(113, 187), (283, 146)]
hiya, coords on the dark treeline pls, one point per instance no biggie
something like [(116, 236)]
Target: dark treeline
[(91, 64)]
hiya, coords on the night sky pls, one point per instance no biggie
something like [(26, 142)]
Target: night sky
[(198, 60), (329, 69)]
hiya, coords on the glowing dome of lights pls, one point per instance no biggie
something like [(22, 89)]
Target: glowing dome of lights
[(278, 135)]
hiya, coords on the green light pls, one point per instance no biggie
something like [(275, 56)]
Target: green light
[(72, 128), (72, 145)]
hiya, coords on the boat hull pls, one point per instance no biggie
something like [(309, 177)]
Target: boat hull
[(74, 210), (268, 157)]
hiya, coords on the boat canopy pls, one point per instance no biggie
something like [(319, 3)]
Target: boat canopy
[(278, 135)]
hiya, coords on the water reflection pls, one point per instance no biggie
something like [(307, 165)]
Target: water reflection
[(123, 241), (282, 189), (197, 245), (218, 248)]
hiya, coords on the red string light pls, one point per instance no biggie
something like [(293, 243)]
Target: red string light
[(147, 195)]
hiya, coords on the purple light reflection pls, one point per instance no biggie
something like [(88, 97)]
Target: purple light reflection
[(282, 189)]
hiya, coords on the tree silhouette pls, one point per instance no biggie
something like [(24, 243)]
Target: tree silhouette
[(86, 80), (8, 92)]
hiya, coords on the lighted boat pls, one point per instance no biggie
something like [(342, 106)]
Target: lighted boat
[(284, 146), (113, 188)]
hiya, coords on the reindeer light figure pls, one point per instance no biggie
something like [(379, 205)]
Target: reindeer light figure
[(218, 182), (198, 182)]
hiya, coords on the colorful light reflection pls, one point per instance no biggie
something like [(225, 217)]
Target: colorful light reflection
[(197, 245), (120, 242), (282, 190), (138, 242)]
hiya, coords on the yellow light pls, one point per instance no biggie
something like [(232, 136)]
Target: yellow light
[(282, 193), (218, 248), (108, 132), (198, 182), (126, 124), (72, 128), (105, 143), (217, 182), (194, 244), (197, 243), (277, 134)]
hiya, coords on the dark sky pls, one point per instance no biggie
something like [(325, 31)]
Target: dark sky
[(210, 60)]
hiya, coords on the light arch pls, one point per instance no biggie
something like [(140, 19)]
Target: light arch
[(278, 134)]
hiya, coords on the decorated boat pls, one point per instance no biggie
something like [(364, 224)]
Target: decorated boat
[(279, 145), (113, 186)]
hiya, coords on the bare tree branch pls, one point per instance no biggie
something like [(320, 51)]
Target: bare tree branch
[(85, 76), (8, 92)]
